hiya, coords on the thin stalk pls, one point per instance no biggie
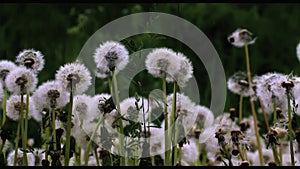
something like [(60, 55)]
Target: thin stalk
[(86, 155), (280, 151), (261, 159), (24, 159), (53, 128), (264, 114), (17, 143), (241, 108), (167, 161), (291, 132), (121, 132), (179, 155), (4, 106), (275, 154), (109, 85), (172, 132), (78, 156), (26, 124), (241, 153), (96, 156), (68, 133), (47, 135)]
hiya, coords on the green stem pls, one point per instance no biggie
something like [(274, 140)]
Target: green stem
[(96, 156), (167, 161), (47, 135), (264, 114), (4, 106), (17, 143), (241, 108), (78, 156), (23, 131), (68, 133), (261, 159), (179, 155), (53, 128), (291, 132), (275, 154), (86, 155), (120, 133), (173, 113)]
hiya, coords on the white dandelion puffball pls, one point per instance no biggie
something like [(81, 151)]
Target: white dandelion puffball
[(51, 94), (13, 107), (109, 56), (130, 111), (240, 37), (1, 93), (5, 68), (100, 101), (298, 51), (31, 59), (238, 84), (205, 117), (190, 153), (162, 61), (11, 155), (85, 107), (269, 89), (184, 71), (21, 80), (76, 74)]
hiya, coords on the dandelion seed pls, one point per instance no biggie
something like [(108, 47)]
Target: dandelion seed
[(240, 37), (31, 59), (238, 84), (76, 74), (5, 68), (10, 158), (163, 61), (184, 71), (110, 56), (21, 80), (14, 107)]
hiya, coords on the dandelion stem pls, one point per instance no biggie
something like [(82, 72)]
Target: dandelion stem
[(26, 123), (23, 131), (179, 155), (4, 106), (17, 143), (121, 135), (86, 155), (167, 161), (241, 108), (291, 132), (261, 159), (275, 154), (96, 156), (172, 132), (68, 133), (264, 114), (47, 135), (53, 128)]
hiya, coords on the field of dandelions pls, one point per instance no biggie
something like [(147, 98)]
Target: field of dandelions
[(77, 129)]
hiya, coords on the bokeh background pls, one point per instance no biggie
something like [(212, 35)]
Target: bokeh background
[(60, 30)]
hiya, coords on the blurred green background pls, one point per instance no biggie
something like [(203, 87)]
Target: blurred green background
[(60, 30)]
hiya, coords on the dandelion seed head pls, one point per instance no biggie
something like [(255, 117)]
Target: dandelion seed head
[(76, 74), (298, 51), (21, 80), (31, 59), (240, 37), (85, 107), (184, 71), (190, 153), (10, 158), (163, 61), (14, 106), (269, 89), (108, 56), (51, 94), (238, 84), (133, 110), (205, 117), (100, 100), (5, 68)]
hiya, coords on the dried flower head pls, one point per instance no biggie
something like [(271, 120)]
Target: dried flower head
[(5, 68), (21, 80), (241, 37), (162, 62), (184, 71), (31, 59), (238, 84), (14, 107), (109, 56), (74, 74)]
